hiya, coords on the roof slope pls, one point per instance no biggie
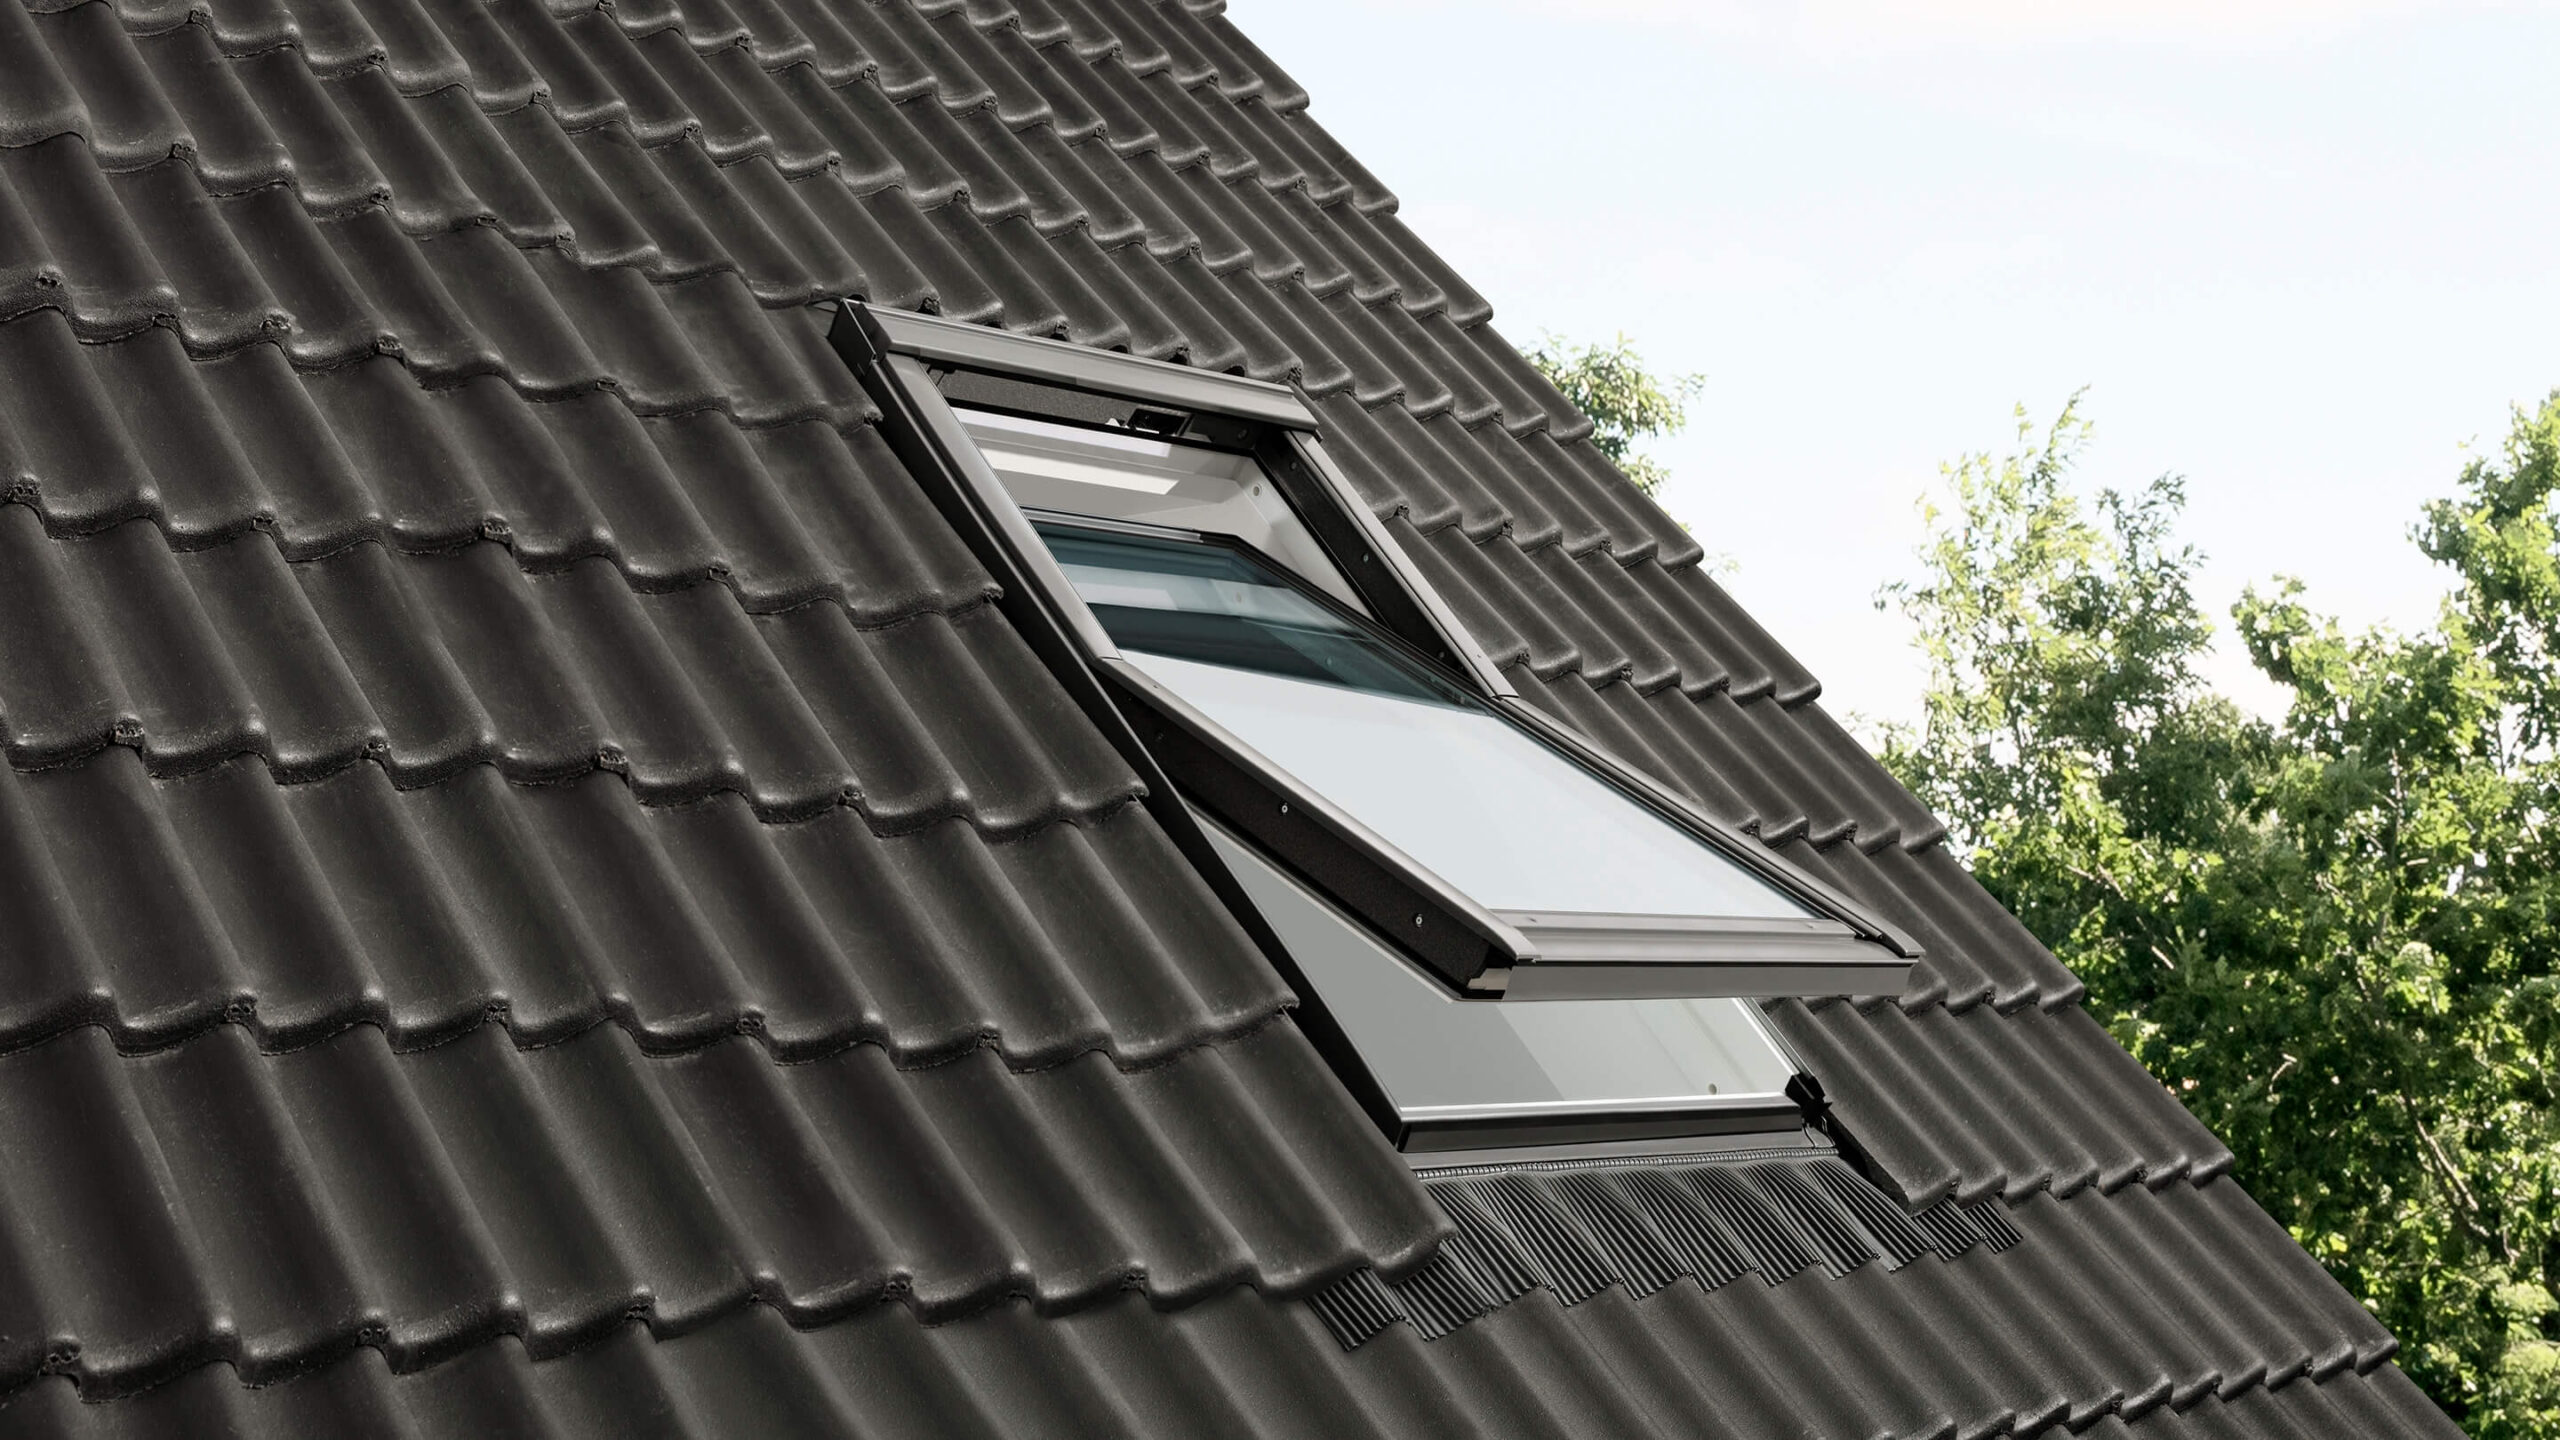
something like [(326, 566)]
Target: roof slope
[(544, 900)]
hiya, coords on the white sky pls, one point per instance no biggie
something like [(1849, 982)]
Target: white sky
[(2299, 252)]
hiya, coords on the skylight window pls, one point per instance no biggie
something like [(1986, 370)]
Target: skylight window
[(1504, 935), (1432, 770)]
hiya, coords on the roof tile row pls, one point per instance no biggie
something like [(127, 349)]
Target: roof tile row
[(1974, 1103), (430, 663), (208, 1202), (160, 907)]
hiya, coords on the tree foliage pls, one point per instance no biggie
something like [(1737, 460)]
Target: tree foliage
[(1626, 402), (2332, 935)]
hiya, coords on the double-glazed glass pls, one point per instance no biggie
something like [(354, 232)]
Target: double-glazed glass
[(1428, 768)]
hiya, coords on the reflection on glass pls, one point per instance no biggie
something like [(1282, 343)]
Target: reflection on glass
[(1436, 1053), (1488, 809)]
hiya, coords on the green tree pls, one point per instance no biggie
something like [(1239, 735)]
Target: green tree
[(2332, 935), (1626, 402)]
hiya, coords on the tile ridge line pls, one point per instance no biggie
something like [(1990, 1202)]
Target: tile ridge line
[(214, 1346), (242, 1016), (1060, 811), (494, 529)]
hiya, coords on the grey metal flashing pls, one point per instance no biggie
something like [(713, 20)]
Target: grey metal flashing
[(1106, 372)]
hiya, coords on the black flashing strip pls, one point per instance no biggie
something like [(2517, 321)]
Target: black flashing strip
[(1575, 1231)]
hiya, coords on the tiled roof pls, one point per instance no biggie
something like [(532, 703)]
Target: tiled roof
[(541, 897)]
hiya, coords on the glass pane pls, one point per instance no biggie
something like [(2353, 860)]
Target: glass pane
[(1490, 810), (1433, 1052)]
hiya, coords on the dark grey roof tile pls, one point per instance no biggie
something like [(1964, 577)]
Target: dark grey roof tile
[(768, 36), (125, 116), (767, 121), (1086, 34), (1128, 318), (1751, 661), (1027, 296), (1066, 194), (1200, 340), (1593, 602), (838, 56), (674, 242), (41, 101), (946, 283), (507, 164), (1399, 344), (1476, 587), (228, 137), (572, 79), (993, 84), (1979, 951), (679, 96), (94, 265), (1289, 158), (977, 176), (867, 131), (1225, 335), (1196, 223), (417, 55), (905, 52), (789, 252), (1447, 292), (1032, 53), (1360, 373), (1502, 388), (1243, 69), (1079, 85), (1427, 489), (332, 171), (422, 181), (1324, 266)]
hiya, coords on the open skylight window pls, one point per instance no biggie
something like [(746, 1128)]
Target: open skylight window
[(1505, 935), (1618, 899)]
